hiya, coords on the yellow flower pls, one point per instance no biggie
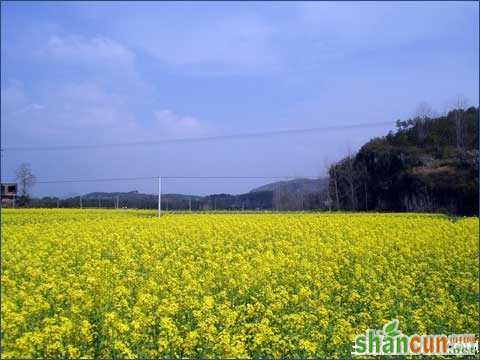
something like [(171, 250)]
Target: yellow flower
[(99, 283)]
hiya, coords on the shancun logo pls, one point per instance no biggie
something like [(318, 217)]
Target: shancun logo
[(391, 341)]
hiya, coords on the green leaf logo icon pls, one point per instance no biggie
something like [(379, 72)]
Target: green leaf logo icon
[(391, 328)]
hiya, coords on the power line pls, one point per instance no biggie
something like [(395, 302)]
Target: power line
[(197, 139), (288, 177), (64, 181)]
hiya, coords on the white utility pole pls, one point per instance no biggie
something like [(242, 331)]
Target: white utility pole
[(81, 207), (159, 196)]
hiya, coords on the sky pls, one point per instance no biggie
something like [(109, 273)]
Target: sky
[(91, 73)]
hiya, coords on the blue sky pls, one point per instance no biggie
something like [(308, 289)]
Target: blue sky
[(88, 73)]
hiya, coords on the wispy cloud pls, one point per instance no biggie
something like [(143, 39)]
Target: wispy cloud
[(96, 50), (87, 112), (222, 44), (13, 99), (168, 124)]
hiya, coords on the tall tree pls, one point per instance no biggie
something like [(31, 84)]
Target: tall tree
[(334, 182), (349, 176), (423, 112), (460, 105), (25, 178)]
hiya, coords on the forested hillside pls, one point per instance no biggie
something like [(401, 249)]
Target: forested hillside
[(427, 164)]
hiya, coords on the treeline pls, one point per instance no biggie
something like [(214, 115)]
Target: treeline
[(259, 200), (297, 194), (135, 200), (428, 164)]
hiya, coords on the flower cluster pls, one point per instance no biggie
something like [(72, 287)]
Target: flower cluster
[(93, 283)]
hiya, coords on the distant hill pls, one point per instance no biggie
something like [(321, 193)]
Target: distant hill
[(283, 195), (135, 195), (304, 186)]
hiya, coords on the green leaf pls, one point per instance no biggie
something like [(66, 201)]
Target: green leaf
[(394, 333), (391, 328)]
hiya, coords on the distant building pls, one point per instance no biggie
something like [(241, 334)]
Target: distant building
[(8, 194)]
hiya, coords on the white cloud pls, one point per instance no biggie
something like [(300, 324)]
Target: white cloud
[(169, 124), (13, 99), (92, 111), (72, 113), (79, 113), (96, 50), (29, 108), (232, 44), (90, 94)]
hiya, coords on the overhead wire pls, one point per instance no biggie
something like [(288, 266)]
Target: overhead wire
[(194, 139)]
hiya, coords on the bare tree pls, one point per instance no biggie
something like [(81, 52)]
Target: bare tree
[(460, 104), (348, 177), (362, 176), (334, 177), (423, 112), (329, 200), (25, 178)]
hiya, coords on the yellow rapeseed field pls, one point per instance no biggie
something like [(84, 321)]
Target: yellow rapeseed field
[(93, 283)]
